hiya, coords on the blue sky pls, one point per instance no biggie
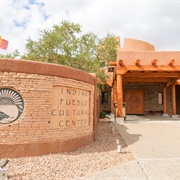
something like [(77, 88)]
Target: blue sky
[(156, 22)]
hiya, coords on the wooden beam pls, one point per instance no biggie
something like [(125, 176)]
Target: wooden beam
[(120, 70), (121, 62), (146, 80), (141, 83), (152, 74), (154, 62), (170, 82), (137, 62), (171, 62), (178, 82), (112, 63), (151, 68)]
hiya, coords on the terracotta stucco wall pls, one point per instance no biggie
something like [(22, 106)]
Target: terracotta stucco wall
[(58, 113)]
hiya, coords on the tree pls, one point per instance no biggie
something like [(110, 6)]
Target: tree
[(107, 49), (14, 55), (68, 45)]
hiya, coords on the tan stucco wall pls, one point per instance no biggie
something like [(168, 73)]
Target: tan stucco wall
[(59, 108), (136, 45), (146, 57), (136, 49)]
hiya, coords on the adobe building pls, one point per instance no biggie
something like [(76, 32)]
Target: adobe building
[(143, 80)]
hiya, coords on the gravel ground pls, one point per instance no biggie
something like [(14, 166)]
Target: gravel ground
[(97, 156)]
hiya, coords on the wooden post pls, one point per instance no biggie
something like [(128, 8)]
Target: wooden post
[(114, 96), (119, 95), (164, 101), (112, 100), (173, 99)]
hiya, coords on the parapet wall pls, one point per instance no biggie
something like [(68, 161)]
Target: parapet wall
[(45, 108), (136, 45)]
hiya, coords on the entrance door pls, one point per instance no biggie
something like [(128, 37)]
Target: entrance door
[(134, 101)]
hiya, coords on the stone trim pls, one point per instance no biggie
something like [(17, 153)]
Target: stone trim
[(40, 148), (41, 68)]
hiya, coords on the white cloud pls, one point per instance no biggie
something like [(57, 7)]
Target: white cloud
[(151, 21)]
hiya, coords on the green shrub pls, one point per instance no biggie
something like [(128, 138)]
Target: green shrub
[(102, 114)]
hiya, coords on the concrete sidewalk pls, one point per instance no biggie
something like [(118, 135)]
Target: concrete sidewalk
[(126, 171), (156, 148)]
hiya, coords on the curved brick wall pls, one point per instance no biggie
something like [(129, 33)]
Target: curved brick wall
[(59, 108)]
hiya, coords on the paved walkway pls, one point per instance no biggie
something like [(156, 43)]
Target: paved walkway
[(155, 145)]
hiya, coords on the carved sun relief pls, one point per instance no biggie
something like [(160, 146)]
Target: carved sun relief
[(11, 105)]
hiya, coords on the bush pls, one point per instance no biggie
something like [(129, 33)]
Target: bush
[(102, 115)]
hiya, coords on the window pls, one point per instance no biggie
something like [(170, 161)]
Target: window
[(160, 98), (104, 97)]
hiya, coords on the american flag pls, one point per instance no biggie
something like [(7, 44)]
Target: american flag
[(3, 43)]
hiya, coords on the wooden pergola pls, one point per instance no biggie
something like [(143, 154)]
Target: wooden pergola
[(150, 67)]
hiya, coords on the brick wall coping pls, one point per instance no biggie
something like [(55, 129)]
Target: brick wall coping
[(42, 68)]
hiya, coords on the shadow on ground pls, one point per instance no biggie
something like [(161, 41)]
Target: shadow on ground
[(130, 138)]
